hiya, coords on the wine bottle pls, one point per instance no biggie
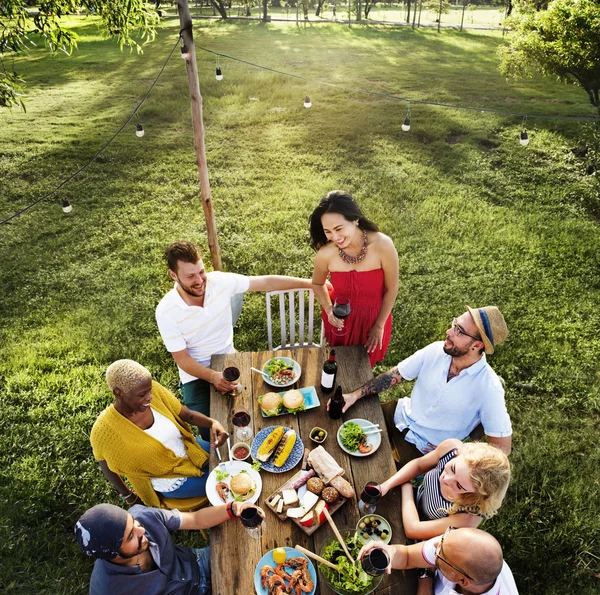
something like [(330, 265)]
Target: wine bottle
[(337, 404), (329, 373)]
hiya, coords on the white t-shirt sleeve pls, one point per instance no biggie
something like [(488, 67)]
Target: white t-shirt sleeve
[(171, 334), (428, 550), (235, 283), (410, 367), (494, 416)]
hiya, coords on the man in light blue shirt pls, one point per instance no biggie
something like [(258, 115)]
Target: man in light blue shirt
[(455, 391)]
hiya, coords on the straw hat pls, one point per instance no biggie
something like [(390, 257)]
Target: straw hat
[(491, 325)]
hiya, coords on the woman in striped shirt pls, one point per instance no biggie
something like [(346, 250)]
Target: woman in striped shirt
[(463, 485)]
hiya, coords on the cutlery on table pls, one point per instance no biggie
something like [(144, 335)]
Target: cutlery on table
[(316, 557), (337, 534), (229, 447), (264, 374)]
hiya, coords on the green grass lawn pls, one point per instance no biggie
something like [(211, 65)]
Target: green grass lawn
[(476, 218)]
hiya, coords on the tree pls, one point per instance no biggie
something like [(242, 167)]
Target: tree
[(562, 41), (131, 22)]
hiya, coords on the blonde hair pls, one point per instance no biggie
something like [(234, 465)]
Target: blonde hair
[(489, 470), (125, 374)]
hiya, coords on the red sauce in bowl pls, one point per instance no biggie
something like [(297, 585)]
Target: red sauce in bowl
[(241, 452)]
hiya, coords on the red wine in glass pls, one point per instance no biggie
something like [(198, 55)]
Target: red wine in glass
[(341, 310), (369, 498), (231, 374), (240, 418), (375, 562), (252, 520)]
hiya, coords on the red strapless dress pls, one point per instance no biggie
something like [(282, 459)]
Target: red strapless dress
[(365, 290)]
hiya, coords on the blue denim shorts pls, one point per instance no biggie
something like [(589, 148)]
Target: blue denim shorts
[(203, 559)]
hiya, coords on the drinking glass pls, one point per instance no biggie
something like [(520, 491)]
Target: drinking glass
[(240, 418), (375, 561), (231, 374), (252, 520), (369, 498), (341, 310)]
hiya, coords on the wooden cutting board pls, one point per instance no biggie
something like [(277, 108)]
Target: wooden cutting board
[(283, 517)]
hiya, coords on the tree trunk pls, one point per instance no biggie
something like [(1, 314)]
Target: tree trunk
[(265, 12), (185, 25), (319, 7), (218, 4), (408, 11)]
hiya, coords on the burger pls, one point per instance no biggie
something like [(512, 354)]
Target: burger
[(293, 400), (270, 403), (242, 486)]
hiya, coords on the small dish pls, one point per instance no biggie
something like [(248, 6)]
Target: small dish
[(315, 433), (383, 526), (239, 456), (288, 361), (373, 439)]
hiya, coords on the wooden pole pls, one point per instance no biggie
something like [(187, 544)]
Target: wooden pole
[(187, 36)]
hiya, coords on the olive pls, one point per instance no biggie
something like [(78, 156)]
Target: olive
[(375, 523), (321, 435), (373, 519), (383, 534), (362, 525)]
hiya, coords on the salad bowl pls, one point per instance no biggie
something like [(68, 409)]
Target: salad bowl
[(361, 583), (275, 366)]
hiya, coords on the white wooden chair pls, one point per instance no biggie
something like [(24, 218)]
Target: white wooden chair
[(297, 327)]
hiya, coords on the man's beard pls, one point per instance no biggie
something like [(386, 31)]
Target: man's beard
[(193, 292), (455, 351), (139, 551)]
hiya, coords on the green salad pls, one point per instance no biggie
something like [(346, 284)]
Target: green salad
[(277, 365), (351, 579), (351, 435)]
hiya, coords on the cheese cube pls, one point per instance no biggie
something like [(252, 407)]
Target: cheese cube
[(290, 497)]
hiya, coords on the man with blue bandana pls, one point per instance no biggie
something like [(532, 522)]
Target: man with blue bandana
[(456, 391)]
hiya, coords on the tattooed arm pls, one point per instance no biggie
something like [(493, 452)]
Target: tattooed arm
[(373, 387)]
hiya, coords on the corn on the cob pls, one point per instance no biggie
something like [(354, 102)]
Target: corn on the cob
[(270, 444), (285, 448)]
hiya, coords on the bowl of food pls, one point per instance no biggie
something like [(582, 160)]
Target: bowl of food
[(240, 451), (352, 579), (318, 435), (281, 371)]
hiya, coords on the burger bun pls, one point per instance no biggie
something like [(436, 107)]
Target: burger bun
[(242, 485), (293, 399), (270, 403)]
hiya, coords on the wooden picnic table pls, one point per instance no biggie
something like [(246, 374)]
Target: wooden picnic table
[(234, 554)]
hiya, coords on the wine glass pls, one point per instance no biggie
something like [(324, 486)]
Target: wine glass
[(375, 561), (341, 310), (252, 520), (369, 498), (231, 374), (240, 419)]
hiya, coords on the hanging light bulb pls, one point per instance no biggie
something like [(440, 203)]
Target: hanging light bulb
[(406, 123), (307, 102), (219, 74), (185, 54), (524, 140), (139, 129), (66, 206)]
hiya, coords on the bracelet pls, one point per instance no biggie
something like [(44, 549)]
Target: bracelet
[(230, 512), (125, 498)]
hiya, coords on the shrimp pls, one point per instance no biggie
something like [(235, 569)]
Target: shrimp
[(364, 447), (276, 585), (280, 571), (223, 490), (264, 574)]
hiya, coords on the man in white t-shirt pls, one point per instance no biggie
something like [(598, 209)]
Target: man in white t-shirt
[(195, 318), (456, 391), (461, 561)]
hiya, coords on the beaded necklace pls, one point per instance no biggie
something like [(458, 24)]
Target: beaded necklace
[(355, 259)]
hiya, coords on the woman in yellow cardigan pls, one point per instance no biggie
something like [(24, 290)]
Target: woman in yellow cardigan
[(144, 435)]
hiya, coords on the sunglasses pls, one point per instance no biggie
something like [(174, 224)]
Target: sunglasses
[(459, 330), (439, 554)]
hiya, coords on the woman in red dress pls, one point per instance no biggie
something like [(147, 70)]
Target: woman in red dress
[(362, 264)]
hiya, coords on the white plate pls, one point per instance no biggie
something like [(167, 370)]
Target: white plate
[(373, 439), (233, 468), (290, 362), (384, 525)]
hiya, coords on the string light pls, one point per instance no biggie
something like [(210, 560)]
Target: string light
[(406, 123), (524, 138), (219, 73), (66, 206), (185, 54), (139, 130)]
